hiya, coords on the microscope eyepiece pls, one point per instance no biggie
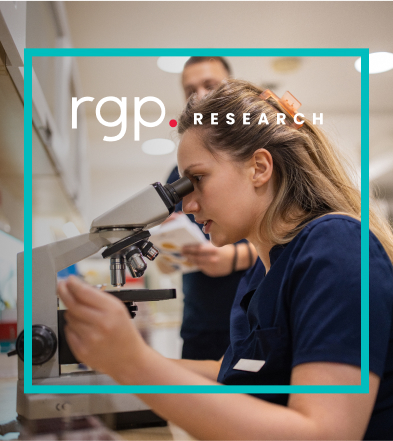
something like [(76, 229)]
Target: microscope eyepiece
[(178, 189)]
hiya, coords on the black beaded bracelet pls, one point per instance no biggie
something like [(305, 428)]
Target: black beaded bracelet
[(234, 259)]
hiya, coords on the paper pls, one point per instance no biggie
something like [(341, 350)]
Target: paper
[(170, 238)]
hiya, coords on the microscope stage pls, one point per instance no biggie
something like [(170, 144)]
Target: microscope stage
[(142, 295)]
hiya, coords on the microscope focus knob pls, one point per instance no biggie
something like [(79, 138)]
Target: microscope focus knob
[(132, 309), (43, 345)]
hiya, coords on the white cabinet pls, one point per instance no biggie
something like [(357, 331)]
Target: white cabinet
[(54, 81), (13, 30)]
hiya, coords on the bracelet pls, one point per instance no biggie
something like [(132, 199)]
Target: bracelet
[(234, 259), (250, 256)]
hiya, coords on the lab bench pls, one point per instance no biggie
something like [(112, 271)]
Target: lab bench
[(8, 406)]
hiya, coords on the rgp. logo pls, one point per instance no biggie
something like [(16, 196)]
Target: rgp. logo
[(122, 120)]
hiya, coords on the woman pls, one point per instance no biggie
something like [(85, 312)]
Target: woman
[(297, 314)]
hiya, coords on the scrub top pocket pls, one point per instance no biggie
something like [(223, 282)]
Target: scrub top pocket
[(268, 345), (271, 345)]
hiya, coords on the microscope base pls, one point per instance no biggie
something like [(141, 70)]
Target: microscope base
[(119, 411)]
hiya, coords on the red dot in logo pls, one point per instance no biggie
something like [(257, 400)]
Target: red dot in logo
[(173, 123)]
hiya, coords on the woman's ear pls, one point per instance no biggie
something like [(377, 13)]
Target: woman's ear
[(262, 164)]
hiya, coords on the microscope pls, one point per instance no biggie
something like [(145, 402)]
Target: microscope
[(123, 232)]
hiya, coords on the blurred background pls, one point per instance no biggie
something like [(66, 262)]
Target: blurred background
[(77, 175)]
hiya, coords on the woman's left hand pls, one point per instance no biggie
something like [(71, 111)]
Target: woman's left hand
[(99, 330)]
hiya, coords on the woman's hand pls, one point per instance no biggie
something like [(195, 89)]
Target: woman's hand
[(99, 330)]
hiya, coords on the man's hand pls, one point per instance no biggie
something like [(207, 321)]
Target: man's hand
[(212, 261)]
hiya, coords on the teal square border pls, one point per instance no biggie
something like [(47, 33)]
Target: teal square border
[(343, 52)]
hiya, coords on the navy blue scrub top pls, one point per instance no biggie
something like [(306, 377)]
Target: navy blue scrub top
[(307, 309), (207, 300)]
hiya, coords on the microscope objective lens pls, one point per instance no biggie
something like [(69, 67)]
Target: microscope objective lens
[(118, 271)]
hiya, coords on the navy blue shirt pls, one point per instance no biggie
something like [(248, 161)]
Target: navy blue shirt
[(207, 300), (307, 309)]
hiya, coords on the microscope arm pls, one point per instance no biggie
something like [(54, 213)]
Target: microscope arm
[(69, 251)]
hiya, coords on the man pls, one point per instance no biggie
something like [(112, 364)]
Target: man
[(203, 74), (208, 293)]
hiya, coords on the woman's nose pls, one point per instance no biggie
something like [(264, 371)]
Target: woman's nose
[(190, 205)]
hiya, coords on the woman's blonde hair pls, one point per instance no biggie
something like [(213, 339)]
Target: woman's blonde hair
[(310, 175)]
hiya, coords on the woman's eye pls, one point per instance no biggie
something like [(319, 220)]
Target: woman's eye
[(197, 178)]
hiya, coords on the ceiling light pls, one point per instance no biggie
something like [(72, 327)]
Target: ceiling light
[(378, 62), (286, 64), (172, 64), (158, 146)]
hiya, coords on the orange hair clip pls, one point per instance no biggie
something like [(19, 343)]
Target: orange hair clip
[(288, 102)]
